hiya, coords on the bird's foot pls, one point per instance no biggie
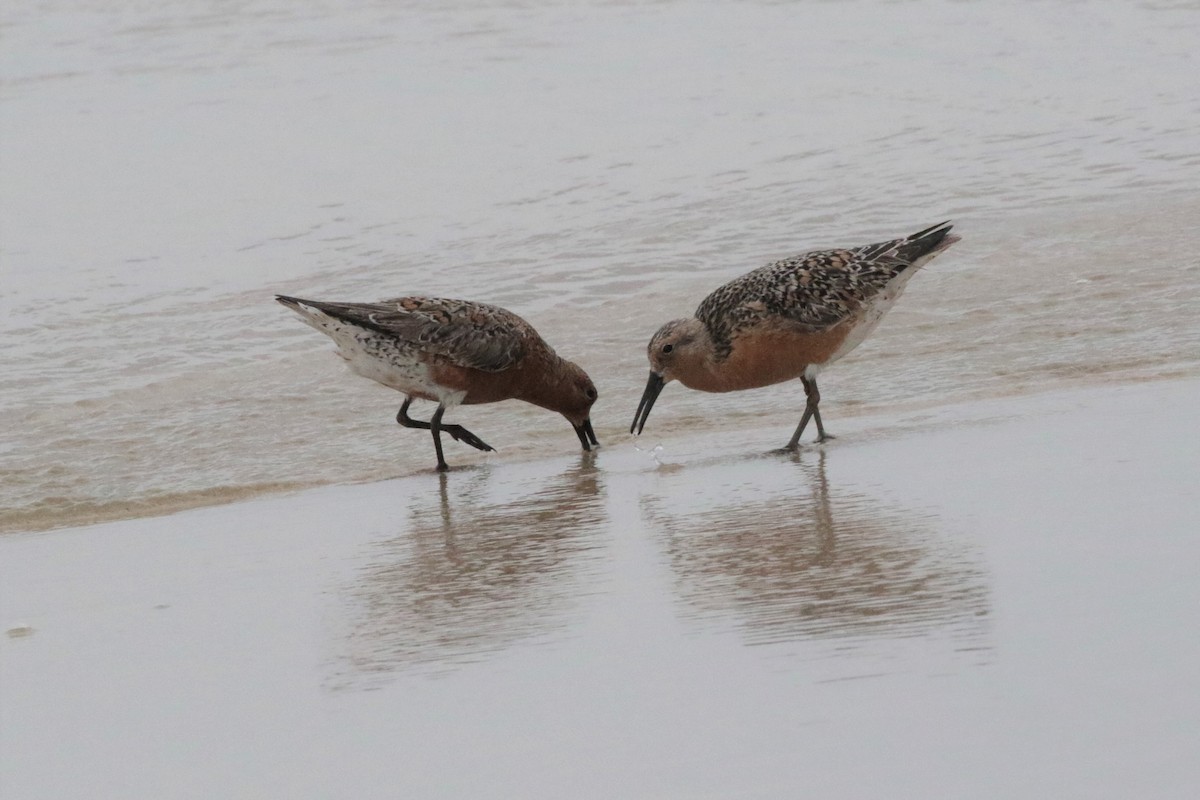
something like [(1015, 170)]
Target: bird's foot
[(460, 434), (824, 437)]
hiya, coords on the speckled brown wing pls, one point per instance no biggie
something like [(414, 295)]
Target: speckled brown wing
[(810, 293), (460, 332), (814, 291)]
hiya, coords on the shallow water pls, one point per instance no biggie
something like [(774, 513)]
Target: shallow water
[(993, 599), (596, 167)]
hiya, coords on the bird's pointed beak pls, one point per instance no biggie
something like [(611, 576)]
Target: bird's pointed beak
[(587, 437), (653, 387)]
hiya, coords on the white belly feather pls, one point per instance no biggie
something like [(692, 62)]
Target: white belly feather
[(383, 359), (867, 320)]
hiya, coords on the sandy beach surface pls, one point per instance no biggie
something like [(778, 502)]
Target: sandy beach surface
[(994, 599)]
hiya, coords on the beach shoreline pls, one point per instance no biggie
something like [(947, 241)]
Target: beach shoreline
[(49, 516), (963, 585), (225, 570)]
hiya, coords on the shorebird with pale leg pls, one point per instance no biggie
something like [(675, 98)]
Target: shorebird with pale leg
[(787, 320), (453, 352)]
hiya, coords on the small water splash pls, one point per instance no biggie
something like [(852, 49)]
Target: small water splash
[(653, 452)]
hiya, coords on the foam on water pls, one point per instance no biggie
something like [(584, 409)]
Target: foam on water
[(597, 168)]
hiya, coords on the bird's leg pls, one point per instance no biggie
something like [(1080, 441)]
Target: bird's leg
[(435, 425), (457, 432), (814, 399), (813, 395), (404, 419), (795, 440)]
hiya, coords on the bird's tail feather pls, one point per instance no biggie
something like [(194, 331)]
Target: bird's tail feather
[(924, 245)]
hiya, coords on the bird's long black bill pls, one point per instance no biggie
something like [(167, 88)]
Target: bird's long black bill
[(653, 387), (587, 437)]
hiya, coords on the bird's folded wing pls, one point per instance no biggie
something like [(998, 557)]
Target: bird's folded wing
[(811, 292), (461, 332)]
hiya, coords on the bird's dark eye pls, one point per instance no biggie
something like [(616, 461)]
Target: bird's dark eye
[(591, 394), (668, 348)]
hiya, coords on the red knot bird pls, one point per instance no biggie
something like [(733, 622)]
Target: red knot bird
[(787, 320), (453, 352)]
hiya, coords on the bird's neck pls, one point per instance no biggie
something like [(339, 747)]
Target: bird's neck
[(544, 382), (697, 368)]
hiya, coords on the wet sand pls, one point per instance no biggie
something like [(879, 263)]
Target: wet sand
[(993, 599)]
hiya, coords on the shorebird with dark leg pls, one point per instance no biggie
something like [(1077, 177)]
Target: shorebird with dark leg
[(453, 352), (787, 320)]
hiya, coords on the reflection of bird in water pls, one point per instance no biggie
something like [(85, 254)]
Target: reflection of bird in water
[(478, 571), (827, 563)]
